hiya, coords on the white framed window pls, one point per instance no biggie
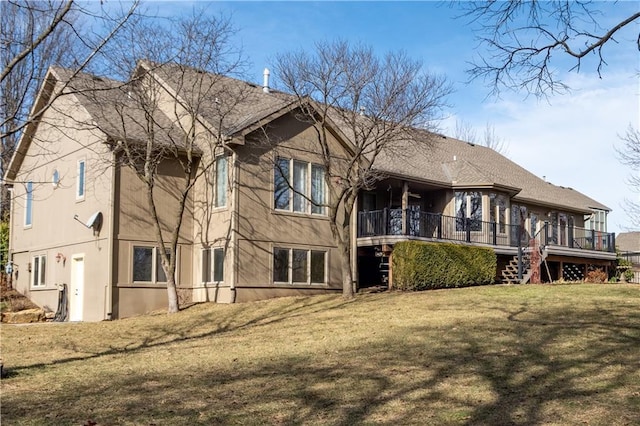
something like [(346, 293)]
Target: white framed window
[(212, 264), (299, 266), (81, 180), (299, 187), (597, 221), (28, 205), (220, 185), (38, 271), (147, 265)]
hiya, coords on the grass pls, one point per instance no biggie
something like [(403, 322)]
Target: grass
[(496, 355)]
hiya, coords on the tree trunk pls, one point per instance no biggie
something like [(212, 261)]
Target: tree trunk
[(342, 236), (347, 276), (172, 295)]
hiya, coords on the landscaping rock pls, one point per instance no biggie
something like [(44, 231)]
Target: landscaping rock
[(23, 317)]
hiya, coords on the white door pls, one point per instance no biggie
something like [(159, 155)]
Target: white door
[(76, 290)]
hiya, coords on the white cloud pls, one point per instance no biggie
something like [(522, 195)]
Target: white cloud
[(570, 139)]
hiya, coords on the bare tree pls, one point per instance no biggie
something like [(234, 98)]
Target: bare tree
[(35, 35), (155, 118), (374, 102), (523, 37), (629, 155), (465, 131)]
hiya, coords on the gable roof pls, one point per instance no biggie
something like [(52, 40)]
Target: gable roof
[(226, 104), (230, 106), (628, 241), (115, 112), (111, 111), (234, 107)]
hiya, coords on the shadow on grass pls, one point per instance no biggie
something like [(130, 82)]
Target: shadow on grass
[(528, 367), (170, 329)]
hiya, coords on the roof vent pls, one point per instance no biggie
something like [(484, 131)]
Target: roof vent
[(265, 84)]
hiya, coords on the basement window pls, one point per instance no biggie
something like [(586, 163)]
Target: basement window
[(299, 266), (39, 269), (147, 265), (212, 265)]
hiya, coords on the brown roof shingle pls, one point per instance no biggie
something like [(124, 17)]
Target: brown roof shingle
[(452, 162)]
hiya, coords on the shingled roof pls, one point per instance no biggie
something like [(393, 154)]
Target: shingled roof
[(426, 157), (451, 162), (233, 107), (227, 104), (628, 241), (114, 111)]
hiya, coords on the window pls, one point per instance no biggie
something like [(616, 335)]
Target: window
[(28, 208), (299, 186), (300, 190), (80, 183), (299, 266), (468, 205), (39, 271), (281, 184), (518, 224), (317, 189), (147, 265), (55, 179), (212, 265), (220, 196), (597, 221), (498, 211)]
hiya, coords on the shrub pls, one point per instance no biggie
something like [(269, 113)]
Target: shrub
[(421, 266)]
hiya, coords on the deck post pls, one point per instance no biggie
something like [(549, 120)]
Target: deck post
[(385, 221), (519, 235), (546, 233), (439, 232), (494, 229), (612, 243), (405, 208), (570, 232)]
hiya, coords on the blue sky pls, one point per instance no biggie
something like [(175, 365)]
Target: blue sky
[(569, 139)]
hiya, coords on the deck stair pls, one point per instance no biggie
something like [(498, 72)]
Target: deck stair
[(510, 272)]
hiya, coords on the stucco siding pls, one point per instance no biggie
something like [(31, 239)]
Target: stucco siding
[(70, 149)]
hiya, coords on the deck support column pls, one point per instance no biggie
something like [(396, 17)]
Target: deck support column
[(405, 208)]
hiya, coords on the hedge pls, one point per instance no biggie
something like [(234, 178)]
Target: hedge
[(421, 266)]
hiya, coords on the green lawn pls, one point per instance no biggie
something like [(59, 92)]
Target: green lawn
[(534, 354)]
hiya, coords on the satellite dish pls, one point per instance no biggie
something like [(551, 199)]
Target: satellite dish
[(95, 222)]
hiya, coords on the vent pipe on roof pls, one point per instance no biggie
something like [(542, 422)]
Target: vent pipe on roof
[(265, 84)]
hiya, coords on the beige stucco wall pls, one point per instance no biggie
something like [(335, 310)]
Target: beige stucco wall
[(261, 227), (61, 140), (134, 226)]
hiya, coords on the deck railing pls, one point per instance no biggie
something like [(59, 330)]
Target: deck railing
[(416, 223)]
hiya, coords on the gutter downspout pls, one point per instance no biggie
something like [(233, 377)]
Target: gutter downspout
[(354, 245), (234, 226), (11, 219), (111, 242)]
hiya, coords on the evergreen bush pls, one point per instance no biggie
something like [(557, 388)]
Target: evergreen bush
[(421, 266)]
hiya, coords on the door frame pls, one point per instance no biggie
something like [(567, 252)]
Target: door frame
[(76, 310)]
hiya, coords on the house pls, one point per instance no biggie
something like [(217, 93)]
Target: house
[(255, 228), (628, 243)]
